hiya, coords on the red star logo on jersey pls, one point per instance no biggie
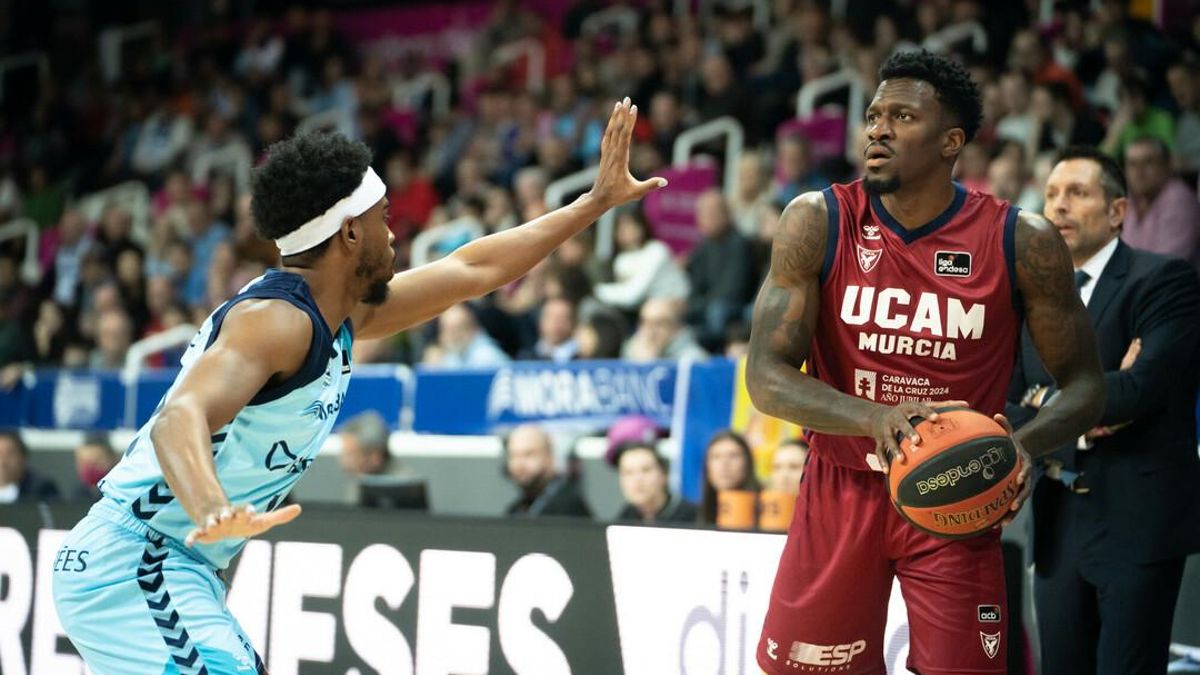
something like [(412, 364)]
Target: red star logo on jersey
[(868, 257)]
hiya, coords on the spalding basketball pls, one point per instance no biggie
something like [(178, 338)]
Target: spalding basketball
[(960, 479)]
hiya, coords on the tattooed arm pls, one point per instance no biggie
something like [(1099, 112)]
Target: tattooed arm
[(1062, 333), (785, 318)]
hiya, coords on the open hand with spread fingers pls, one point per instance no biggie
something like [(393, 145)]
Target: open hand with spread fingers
[(239, 522), (614, 184)]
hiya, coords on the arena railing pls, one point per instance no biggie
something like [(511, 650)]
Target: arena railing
[(36, 59), (424, 242), (843, 79), (556, 194), (112, 41), (624, 19), (233, 159), (133, 196), (26, 228), (135, 362), (727, 127), (408, 93), (535, 63)]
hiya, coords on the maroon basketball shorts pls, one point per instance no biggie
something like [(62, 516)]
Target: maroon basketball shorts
[(828, 607)]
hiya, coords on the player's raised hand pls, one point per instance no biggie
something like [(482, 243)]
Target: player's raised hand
[(1026, 486), (614, 184), (239, 522)]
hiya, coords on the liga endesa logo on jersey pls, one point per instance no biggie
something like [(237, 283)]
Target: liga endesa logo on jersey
[(952, 264)]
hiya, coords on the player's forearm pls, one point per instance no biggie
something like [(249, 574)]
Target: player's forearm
[(181, 442), (1066, 416), (781, 390), (504, 257)]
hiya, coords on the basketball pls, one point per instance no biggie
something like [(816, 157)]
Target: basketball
[(962, 477)]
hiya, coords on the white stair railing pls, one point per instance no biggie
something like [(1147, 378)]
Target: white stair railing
[(113, 39), (133, 196), (727, 127), (556, 194), (26, 228), (135, 362), (624, 19), (424, 242), (408, 93), (235, 159), (535, 80), (856, 104)]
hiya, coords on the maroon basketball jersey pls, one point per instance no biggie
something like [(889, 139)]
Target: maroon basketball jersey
[(930, 314)]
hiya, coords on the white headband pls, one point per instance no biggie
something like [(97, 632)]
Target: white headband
[(317, 230)]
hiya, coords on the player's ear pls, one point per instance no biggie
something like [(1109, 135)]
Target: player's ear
[(351, 231), (953, 142)]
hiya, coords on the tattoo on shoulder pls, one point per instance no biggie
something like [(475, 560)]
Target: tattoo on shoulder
[(799, 248), (1043, 261)]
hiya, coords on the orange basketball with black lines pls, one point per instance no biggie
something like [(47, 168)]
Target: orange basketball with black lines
[(960, 479)]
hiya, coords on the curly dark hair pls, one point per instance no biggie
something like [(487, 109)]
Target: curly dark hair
[(302, 177), (957, 93)]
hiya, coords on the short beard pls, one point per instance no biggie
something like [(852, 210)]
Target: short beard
[(377, 291), (881, 186)]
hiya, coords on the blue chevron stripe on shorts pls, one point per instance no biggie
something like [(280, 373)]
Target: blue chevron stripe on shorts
[(150, 579)]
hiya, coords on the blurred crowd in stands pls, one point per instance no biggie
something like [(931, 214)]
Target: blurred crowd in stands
[(215, 79)]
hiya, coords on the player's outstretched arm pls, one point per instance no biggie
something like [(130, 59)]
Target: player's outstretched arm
[(785, 318), (1062, 334), (259, 340), (478, 268)]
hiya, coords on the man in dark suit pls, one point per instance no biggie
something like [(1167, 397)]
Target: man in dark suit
[(1115, 515), (19, 483), (529, 463)]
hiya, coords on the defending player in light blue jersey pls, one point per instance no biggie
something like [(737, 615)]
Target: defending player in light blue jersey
[(260, 389)]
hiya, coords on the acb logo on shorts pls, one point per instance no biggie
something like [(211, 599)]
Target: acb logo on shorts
[(989, 613)]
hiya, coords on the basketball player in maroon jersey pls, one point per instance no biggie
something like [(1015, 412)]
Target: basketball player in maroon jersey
[(900, 289)]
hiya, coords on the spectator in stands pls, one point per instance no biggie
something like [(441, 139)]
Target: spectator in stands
[(643, 267), (93, 460), (787, 466), (1030, 55), (530, 464), (162, 137), (1020, 122), (1136, 118), (529, 184), (114, 334), (728, 465), (642, 475), (795, 172), (204, 236), (556, 332), (74, 244), (661, 334), (114, 236), (410, 194), (19, 483), (601, 336), (1184, 79), (364, 452), (720, 269), (752, 195), (461, 343), (1057, 123), (1163, 215), (130, 278)]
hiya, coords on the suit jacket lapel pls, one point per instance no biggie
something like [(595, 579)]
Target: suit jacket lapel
[(1109, 282)]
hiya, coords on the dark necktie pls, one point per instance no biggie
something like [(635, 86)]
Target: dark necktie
[(1081, 279)]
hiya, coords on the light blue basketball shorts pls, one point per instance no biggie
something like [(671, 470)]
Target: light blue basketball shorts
[(135, 603)]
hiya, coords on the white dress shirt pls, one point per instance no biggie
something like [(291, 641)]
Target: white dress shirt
[(1094, 267)]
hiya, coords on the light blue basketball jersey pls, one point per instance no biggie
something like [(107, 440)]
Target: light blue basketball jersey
[(269, 444)]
